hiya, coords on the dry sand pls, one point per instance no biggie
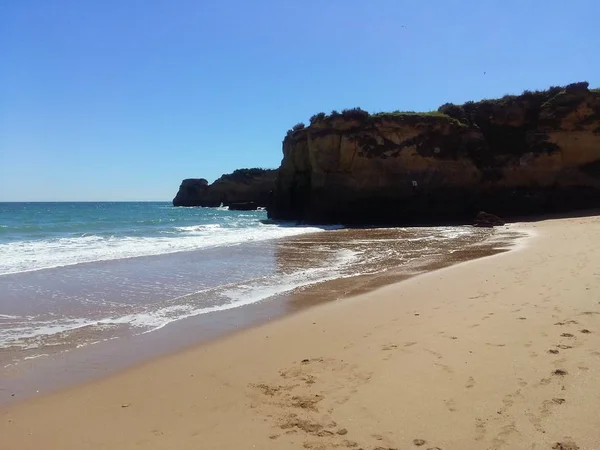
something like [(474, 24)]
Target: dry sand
[(502, 352)]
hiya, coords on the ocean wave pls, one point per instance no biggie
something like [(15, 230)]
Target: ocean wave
[(39, 333), (208, 226), (25, 256), (8, 316)]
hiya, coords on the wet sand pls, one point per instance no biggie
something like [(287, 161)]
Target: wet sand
[(499, 352)]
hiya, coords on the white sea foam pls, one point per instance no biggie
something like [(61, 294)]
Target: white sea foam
[(35, 255), (7, 316), (39, 355), (33, 334)]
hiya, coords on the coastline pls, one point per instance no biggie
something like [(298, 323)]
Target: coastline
[(380, 257), (454, 357)]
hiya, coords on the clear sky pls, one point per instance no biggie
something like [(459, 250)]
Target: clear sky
[(121, 99)]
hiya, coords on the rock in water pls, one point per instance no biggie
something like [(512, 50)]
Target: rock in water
[(486, 220), (519, 155), (243, 186), (191, 191)]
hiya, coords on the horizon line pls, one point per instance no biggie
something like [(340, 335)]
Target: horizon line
[(84, 201)]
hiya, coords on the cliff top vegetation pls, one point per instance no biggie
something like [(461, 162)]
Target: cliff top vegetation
[(458, 115)]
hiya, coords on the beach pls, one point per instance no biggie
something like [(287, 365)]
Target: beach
[(87, 290), (498, 352)]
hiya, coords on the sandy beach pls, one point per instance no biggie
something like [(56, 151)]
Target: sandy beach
[(500, 352)]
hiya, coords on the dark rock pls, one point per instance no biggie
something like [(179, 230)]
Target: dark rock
[(243, 186), (486, 220), (520, 155), (190, 191), (245, 206)]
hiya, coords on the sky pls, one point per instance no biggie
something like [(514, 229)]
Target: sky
[(122, 99)]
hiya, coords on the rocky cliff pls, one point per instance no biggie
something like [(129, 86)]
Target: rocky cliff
[(536, 152), (250, 186)]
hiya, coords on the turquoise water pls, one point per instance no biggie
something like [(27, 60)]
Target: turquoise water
[(73, 272), (36, 236)]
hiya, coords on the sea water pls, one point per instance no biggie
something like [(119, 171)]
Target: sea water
[(75, 274)]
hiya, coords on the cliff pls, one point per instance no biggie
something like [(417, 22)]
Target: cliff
[(242, 186), (532, 153)]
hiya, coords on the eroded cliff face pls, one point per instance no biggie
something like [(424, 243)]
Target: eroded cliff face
[(538, 152), (241, 186)]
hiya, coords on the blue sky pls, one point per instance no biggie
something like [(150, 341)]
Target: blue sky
[(121, 99)]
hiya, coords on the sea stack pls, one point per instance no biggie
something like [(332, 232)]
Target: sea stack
[(244, 188)]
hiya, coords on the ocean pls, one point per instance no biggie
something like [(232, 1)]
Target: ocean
[(74, 275)]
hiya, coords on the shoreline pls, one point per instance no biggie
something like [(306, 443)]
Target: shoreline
[(490, 353), (63, 370)]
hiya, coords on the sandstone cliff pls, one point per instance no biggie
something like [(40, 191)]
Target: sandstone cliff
[(537, 152), (242, 186)]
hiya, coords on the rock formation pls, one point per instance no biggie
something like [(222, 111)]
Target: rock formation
[(486, 220), (527, 154), (245, 187), (245, 206)]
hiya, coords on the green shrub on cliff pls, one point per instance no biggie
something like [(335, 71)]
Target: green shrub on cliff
[(415, 117), (452, 110), (582, 86), (245, 175), (299, 126), (470, 113), (355, 113), (317, 117)]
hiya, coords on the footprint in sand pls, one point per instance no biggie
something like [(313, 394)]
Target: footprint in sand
[(480, 429), (508, 400), (567, 322), (409, 344), (389, 347), (470, 383), (567, 444), (434, 353), (451, 405), (567, 335), (504, 433), (445, 367)]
